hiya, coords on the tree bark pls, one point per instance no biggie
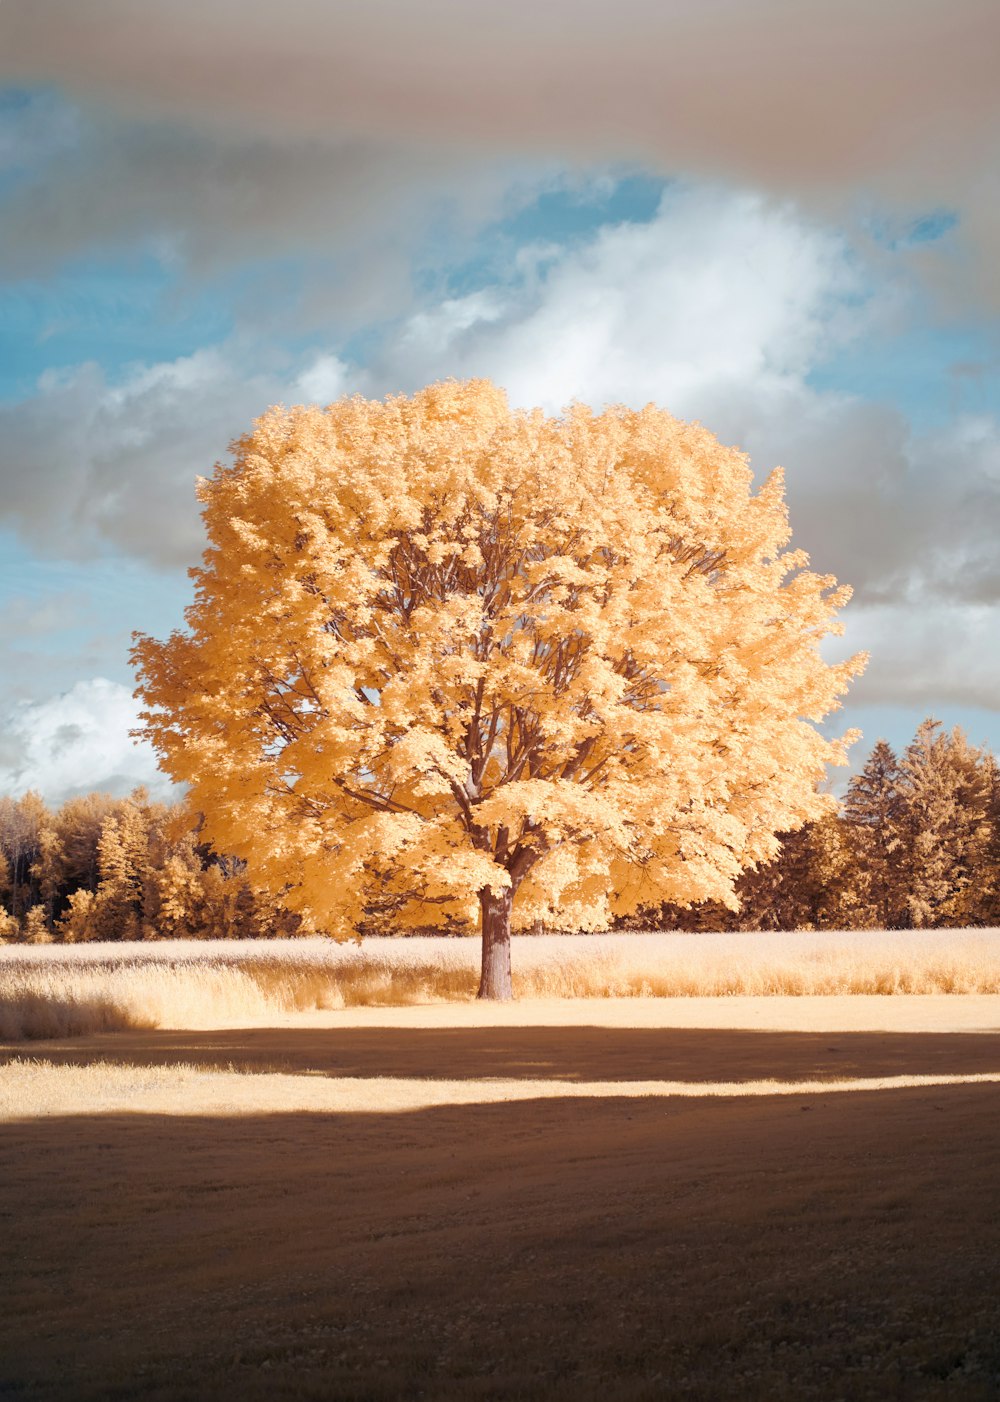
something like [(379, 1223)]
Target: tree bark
[(495, 907)]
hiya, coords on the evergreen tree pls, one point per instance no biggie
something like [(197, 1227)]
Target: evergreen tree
[(947, 791), (874, 814), (34, 928)]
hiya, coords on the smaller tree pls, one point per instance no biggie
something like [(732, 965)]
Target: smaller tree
[(80, 920), (34, 928), (946, 786), (123, 861), (874, 816)]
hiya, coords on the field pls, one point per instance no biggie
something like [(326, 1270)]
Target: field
[(336, 1186), (67, 989)]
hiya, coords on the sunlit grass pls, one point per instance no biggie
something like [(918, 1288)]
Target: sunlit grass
[(30, 1089), (79, 989)]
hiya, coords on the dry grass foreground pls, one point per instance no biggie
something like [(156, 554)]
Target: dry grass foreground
[(62, 990), (763, 1198)]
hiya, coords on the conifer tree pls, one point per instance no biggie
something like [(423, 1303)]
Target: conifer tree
[(80, 921), (947, 791), (988, 905), (874, 812), (34, 927), (21, 822)]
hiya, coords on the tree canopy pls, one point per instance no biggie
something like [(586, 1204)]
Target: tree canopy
[(482, 661)]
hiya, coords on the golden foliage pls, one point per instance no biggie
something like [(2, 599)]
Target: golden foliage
[(440, 649)]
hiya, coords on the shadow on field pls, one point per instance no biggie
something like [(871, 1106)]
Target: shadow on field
[(558, 1249), (576, 1053)]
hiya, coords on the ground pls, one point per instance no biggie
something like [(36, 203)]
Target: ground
[(695, 1198)]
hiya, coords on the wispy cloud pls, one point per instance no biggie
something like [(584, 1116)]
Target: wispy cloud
[(891, 103)]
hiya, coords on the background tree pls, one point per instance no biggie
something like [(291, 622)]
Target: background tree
[(123, 860), (809, 885), (875, 815), (465, 655), (947, 789), (21, 824), (988, 906)]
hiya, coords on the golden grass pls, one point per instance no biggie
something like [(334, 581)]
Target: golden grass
[(78, 989)]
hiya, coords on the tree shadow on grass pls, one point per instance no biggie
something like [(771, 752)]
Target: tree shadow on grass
[(575, 1053), (549, 1249)]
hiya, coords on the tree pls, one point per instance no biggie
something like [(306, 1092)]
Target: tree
[(809, 886), (123, 863), (493, 663), (21, 823), (874, 811), (946, 785), (80, 920), (988, 905), (34, 928)]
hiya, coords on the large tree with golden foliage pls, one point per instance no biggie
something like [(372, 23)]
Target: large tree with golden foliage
[(492, 663)]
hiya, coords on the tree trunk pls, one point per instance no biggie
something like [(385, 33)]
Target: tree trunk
[(495, 908)]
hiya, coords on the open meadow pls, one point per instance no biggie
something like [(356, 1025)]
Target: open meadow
[(312, 1171)]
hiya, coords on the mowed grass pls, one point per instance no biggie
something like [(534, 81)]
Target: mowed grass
[(581, 1200), (65, 990)]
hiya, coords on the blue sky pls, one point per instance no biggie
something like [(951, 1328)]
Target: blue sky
[(215, 211)]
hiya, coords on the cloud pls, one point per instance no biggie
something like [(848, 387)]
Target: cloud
[(334, 222), (936, 656), (90, 463), (718, 293), (892, 102), (34, 127), (77, 742), (720, 309)]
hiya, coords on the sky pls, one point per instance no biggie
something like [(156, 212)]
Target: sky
[(780, 219)]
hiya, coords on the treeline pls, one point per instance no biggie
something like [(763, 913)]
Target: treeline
[(102, 868), (916, 844)]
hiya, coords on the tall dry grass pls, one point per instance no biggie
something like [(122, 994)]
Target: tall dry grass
[(68, 990)]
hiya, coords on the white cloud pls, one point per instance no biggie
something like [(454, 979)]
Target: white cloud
[(718, 293), (719, 309), (323, 382), (90, 463), (77, 742)]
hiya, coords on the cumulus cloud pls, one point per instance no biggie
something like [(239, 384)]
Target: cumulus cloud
[(718, 293), (90, 463), (720, 309), (77, 742), (891, 102)]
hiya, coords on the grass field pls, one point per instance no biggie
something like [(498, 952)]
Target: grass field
[(756, 1197), (62, 990)]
